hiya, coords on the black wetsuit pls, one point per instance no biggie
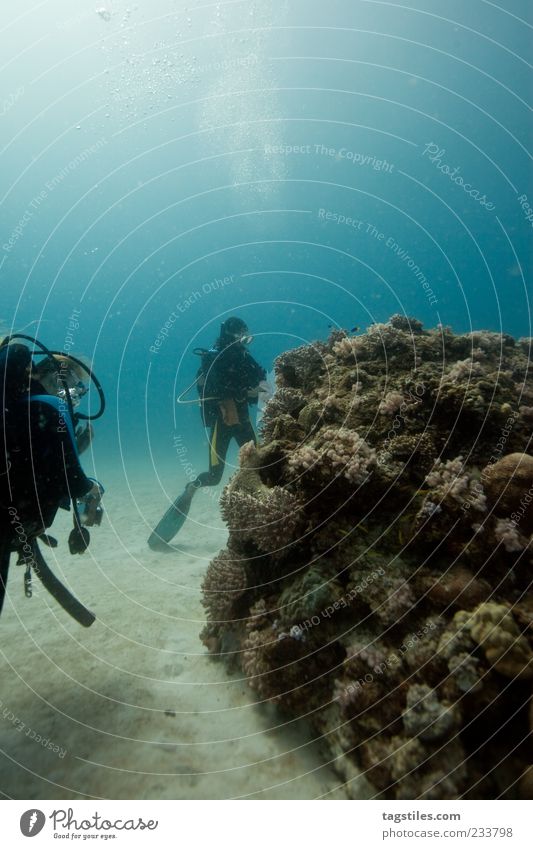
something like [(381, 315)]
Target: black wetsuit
[(232, 373), (45, 473)]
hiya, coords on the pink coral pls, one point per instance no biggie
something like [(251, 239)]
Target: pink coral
[(397, 603), (449, 480), (347, 348), (337, 452), (303, 459), (391, 403), (269, 517), (507, 533), (462, 369)]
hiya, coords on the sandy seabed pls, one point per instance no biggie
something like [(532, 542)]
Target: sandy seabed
[(134, 707)]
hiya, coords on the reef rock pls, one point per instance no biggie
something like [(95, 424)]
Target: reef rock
[(493, 628), (378, 573), (508, 484), (425, 717)]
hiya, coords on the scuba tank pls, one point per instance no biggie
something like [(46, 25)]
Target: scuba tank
[(208, 402), (16, 361)]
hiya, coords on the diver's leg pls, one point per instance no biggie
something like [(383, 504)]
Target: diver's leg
[(5, 555), (245, 433), (219, 440), (175, 516)]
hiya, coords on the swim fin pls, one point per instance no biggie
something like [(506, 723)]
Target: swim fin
[(173, 520)]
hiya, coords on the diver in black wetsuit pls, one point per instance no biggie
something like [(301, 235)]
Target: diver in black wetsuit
[(228, 381), (40, 469), (231, 384)]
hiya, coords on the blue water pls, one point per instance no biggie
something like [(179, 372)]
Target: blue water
[(289, 161)]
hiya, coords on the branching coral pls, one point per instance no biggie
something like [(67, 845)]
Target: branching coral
[(450, 481), (409, 325), (285, 401), (269, 519), (493, 628), (300, 368), (506, 532), (456, 646), (463, 369), (391, 403), (224, 583), (348, 348), (425, 716), (335, 452)]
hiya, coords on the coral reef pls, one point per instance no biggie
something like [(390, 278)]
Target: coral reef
[(377, 578), (224, 583), (493, 628), (509, 487), (335, 451), (252, 511)]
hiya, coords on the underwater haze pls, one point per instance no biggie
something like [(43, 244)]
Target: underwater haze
[(308, 167), (167, 164)]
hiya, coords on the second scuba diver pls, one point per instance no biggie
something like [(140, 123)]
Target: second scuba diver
[(40, 470), (228, 381)]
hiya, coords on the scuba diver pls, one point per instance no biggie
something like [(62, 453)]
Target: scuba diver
[(228, 381), (40, 470), (46, 380)]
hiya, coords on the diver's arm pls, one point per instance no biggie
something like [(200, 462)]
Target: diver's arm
[(256, 376), (84, 437), (78, 482), (55, 423)]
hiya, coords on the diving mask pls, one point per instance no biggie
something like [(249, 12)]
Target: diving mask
[(76, 393)]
